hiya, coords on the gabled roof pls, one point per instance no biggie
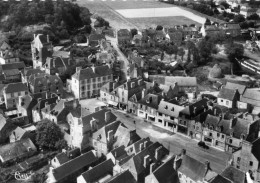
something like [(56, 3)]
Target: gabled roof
[(151, 100), (234, 174), (119, 153), (169, 108), (18, 132), (99, 171), (15, 65), (88, 73), (15, 87), (62, 158), (166, 173), (41, 103), (16, 149), (212, 121), (234, 86), (228, 94), (124, 177), (220, 179), (12, 72), (195, 108), (74, 165), (194, 169), (44, 79), (31, 71)]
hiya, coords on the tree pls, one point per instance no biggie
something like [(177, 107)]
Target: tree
[(64, 34), (49, 18), (239, 18), (48, 134), (234, 51), (253, 17), (244, 25), (159, 27), (205, 48), (61, 144), (133, 32)]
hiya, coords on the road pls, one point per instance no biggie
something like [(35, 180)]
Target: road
[(175, 142)]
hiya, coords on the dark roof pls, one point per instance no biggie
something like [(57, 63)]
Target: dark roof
[(234, 174), (256, 149), (16, 149), (74, 165), (166, 173), (212, 121), (195, 108), (15, 87), (228, 94), (151, 100), (12, 72), (124, 177), (220, 179), (44, 79), (16, 65), (41, 103), (194, 169), (89, 73), (234, 86), (119, 153), (100, 117), (62, 158), (99, 171), (31, 71)]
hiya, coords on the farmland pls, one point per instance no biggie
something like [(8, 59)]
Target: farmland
[(147, 13)]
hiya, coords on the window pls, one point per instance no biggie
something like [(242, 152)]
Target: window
[(166, 107), (179, 175), (94, 79), (230, 141), (104, 94), (210, 134), (172, 109), (172, 118), (227, 102), (193, 126), (238, 167), (88, 87), (19, 93), (222, 136), (159, 120), (99, 79), (94, 86), (251, 163), (238, 159), (160, 114), (12, 94), (218, 134), (221, 100), (26, 93)]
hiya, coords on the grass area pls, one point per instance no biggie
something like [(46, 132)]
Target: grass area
[(164, 21)]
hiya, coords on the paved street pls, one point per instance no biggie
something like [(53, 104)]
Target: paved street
[(176, 142)]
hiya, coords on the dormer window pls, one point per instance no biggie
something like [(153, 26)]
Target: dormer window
[(172, 109), (242, 137), (166, 107)]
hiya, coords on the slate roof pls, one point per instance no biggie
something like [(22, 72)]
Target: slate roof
[(194, 169), (234, 174), (100, 117), (74, 165), (62, 158), (99, 171), (170, 80), (16, 149), (251, 97), (44, 79), (166, 173), (212, 121), (31, 71), (169, 109), (228, 94), (41, 103), (199, 106), (119, 153), (220, 179), (124, 177), (15, 65), (151, 100), (88, 73), (234, 86), (12, 72), (256, 149), (15, 87)]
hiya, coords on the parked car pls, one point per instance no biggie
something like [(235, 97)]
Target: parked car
[(203, 145)]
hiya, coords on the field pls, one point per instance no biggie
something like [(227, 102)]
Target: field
[(141, 14)]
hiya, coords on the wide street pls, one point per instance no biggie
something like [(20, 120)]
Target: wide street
[(175, 142)]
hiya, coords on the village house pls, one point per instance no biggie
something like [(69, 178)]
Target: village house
[(148, 106), (86, 83), (105, 58), (188, 115), (57, 65), (123, 37), (121, 177), (83, 125), (107, 95), (41, 49), (250, 100), (230, 29), (16, 151), (192, 170), (164, 173), (185, 84), (168, 115), (9, 56), (94, 39), (70, 170), (228, 97), (141, 163), (234, 175), (44, 82), (60, 110), (23, 132), (37, 114), (100, 173), (12, 71), (117, 155), (247, 158), (12, 92), (64, 156), (6, 128), (27, 72)]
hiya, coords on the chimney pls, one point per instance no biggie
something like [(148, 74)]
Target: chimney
[(143, 93), (107, 116), (157, 152), (46, 104), (232, 122), (215, 112), (110, 135), (152, 168), (48, 38), (194, 110), (146, 160), (75, 104), (207, 165), (145, 144), (78, 69), (94, 69), (114, 85), (141, 146), (39, 99)]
